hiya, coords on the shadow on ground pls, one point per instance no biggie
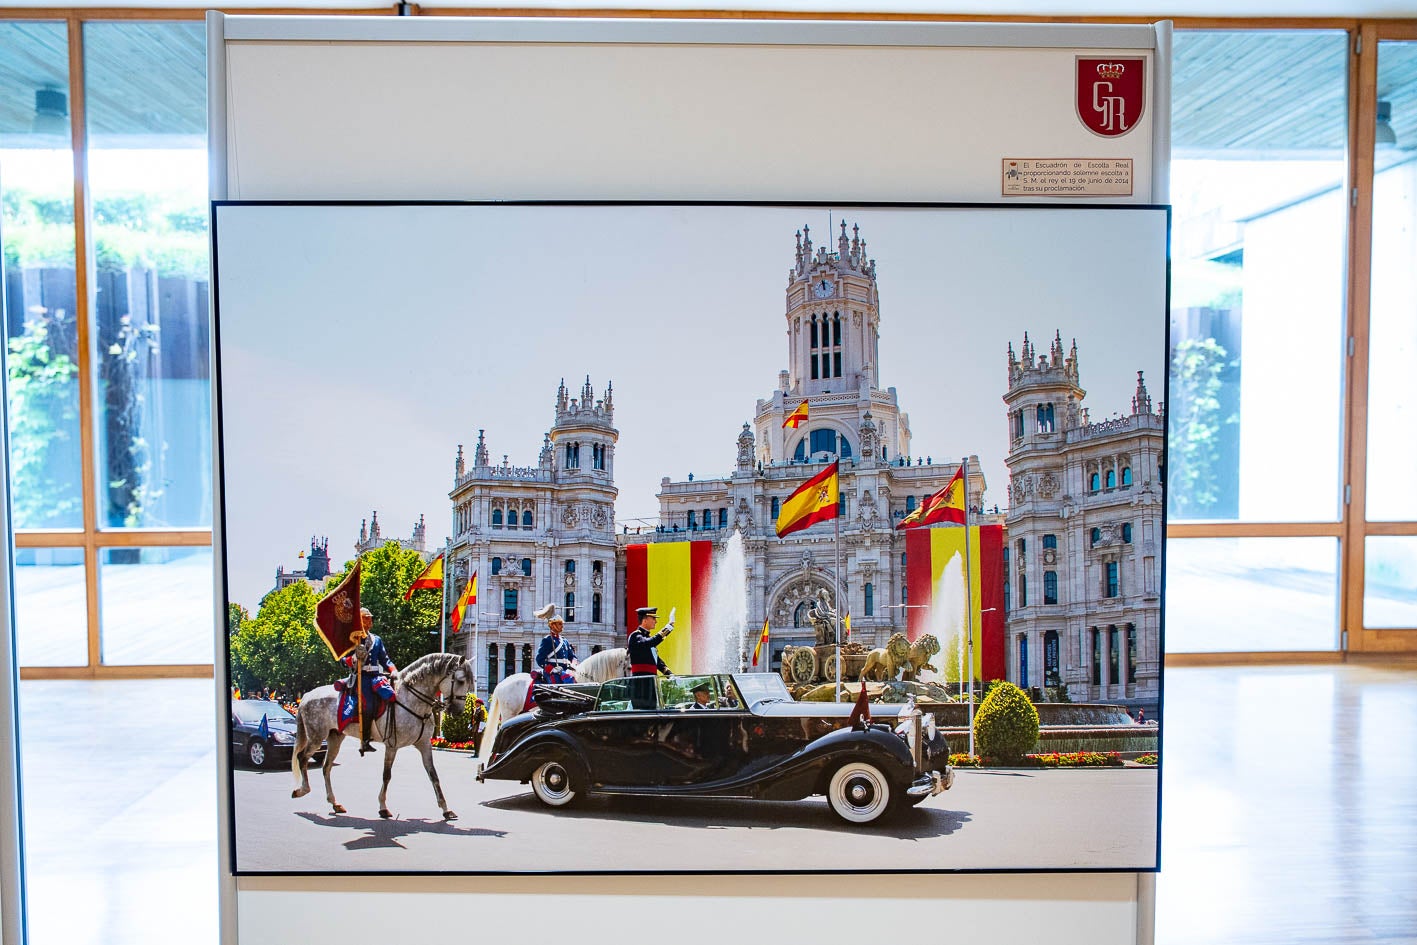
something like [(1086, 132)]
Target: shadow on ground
[(386, 834)]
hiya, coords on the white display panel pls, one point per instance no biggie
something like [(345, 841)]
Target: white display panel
[(347, 109)]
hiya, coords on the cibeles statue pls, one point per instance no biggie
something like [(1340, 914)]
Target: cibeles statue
[(824, 619)]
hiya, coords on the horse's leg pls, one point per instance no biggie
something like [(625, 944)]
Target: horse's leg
[(425, 748), (298, 759), (389, 750), (332, 743)]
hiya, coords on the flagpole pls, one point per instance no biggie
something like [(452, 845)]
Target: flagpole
[(836, 548), (447, 573), (968, 600)]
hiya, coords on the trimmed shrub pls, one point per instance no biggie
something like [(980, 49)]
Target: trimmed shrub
[(459, 726), (1006, 725)]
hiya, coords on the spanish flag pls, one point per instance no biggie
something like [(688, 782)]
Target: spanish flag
[(814, 501), (468, 599), (797, 417), (846, 626), (947, 505), (673, 574), (431, 577), (928, 551), (761, 640)]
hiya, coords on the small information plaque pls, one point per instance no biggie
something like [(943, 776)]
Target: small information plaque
[(1067, 177)]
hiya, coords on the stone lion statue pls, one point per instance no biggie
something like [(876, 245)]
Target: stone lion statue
[(886, 662), (920, 652)]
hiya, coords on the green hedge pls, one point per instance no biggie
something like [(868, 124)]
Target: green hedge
[(1006, 726)]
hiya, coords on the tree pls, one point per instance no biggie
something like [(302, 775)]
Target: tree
[(409, 628), (281, 649), (236, 616), (44, 410), (1194, 468)]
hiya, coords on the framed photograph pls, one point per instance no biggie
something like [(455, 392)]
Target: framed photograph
[(681, 538)]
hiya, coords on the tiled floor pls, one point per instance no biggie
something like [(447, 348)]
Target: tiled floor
[(1289, 798)]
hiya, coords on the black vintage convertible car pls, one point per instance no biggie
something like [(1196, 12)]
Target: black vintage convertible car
[(739, 736)]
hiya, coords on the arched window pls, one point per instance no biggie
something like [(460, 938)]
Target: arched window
[(1094, 536), (904, 596), (1131, 652), (496, 518), (822, 441), (1007, 603), (708, 518), (801, 452), (836, 328), (1050, 587), (1111, 478), (491, 666), (1126, 475), (526, 518), (570, 606), (1023, 590), (1096, 657), (509, 659), (570, 566), (496, 565), (596, 567), (1050, 542), (845, 449), (1094, 482), (909, 504), (870, 600), (691, 519), (722, 518), (902, 561), (799, 615), (1127, 533), (814, 333), (836, 364), (595, 608), (1114, 654), (526, 566)]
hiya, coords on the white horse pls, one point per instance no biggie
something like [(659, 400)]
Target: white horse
[(421, 691), (509, 697)]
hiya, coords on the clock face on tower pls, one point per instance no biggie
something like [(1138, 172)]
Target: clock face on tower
[(824, 289)]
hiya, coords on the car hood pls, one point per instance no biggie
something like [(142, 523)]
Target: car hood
[(822, 710)]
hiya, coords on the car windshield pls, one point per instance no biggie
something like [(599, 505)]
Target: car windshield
[(636, 693), (692, 692), (758, 688), (250, 711)]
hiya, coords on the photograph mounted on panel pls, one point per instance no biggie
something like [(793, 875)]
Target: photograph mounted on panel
[(662, 538)]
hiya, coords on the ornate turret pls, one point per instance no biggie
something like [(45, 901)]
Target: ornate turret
[(1141, 400), (363, 530), (419, 531), (480, 457), (374, 527), (548, 453), (459, 466), (745, 449), (1044, 396), (317, 566)]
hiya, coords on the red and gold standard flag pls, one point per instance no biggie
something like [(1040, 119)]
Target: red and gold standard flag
[(467, 600), (337, 615), (797, 417), (432, 577), (947, 505), (761, 640), (814, 501)]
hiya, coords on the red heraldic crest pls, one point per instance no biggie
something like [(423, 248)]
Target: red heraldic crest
[(337, 615), (1111, 94)]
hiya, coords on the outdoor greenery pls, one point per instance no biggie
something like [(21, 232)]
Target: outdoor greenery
[(280, 648), (1065, 759), (150, 231), (1006, 725), (459, 727), (1146, 759), (44, 411), (1196, 422)]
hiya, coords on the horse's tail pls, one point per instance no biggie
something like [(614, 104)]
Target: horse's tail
[(298, 752), (507, 700)]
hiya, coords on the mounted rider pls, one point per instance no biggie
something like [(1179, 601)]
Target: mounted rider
[(370, 654), (555, 657)]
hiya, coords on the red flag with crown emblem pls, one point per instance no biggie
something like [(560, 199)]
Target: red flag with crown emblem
[(1111, 93), (337, 615)]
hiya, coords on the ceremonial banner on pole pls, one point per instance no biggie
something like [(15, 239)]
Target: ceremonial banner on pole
[(431, 577), (672, 574), (928, 552), (337, 615), (467, 600)]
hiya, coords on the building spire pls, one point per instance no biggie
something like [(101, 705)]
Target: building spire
[(1141, 401), (843, 245), (459, 467), (480, 458)]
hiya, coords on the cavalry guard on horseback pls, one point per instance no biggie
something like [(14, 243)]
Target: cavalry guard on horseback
[(373, 659), (555, 657)]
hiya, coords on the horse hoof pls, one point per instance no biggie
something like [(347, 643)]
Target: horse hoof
[(339, 808), (299, 793), (449, 815), (385, 814)]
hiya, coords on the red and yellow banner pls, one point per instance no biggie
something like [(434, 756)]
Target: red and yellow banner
[(947, 505), (797, 417), (673, 575), (431, 577), (762, 641), (816, 500), (466, 601), (928, 552)]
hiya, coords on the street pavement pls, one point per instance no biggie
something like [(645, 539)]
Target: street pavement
[(990, 819)]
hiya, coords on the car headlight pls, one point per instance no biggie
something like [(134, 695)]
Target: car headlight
[(282, 738)]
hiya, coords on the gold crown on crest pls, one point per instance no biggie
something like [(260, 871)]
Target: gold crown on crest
[(1111, 70)]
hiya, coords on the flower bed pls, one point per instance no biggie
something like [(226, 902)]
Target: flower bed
[(1067, 759), (1146, 759), (439, 741)]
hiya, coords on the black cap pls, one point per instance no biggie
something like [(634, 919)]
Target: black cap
[(703, 687), (643, 612)]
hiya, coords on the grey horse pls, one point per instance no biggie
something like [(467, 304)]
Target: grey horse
[(421, 691)]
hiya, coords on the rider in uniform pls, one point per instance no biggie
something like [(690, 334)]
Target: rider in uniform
[(555, 656), (644, 657), (377, 668)]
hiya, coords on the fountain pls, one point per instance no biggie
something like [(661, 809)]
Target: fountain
[(727, 610)]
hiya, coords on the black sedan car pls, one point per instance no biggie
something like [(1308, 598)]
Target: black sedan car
[(263, 746), (738, 736)]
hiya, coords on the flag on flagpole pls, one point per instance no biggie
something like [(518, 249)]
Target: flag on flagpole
[(797, 417), (468, 599), (761, 640), (432, 577), (947, 505), (846, 626), (337, 615), (263, 731), (814, 501)]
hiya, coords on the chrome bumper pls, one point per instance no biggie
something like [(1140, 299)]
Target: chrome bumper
[(480, 767), (932, 783)]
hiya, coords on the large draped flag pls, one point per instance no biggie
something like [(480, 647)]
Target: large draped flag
[(814, 501), (431, 577), (467, 600), (337, 615), (797, 417), (673, 574), (929, 553), (947, 505), (762, 640)]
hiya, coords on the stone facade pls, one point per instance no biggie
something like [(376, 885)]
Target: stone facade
[(537, 535), (1084, 533)]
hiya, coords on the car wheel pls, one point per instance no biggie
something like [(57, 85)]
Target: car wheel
[(552, 784), (859, 793), (256, 753)]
